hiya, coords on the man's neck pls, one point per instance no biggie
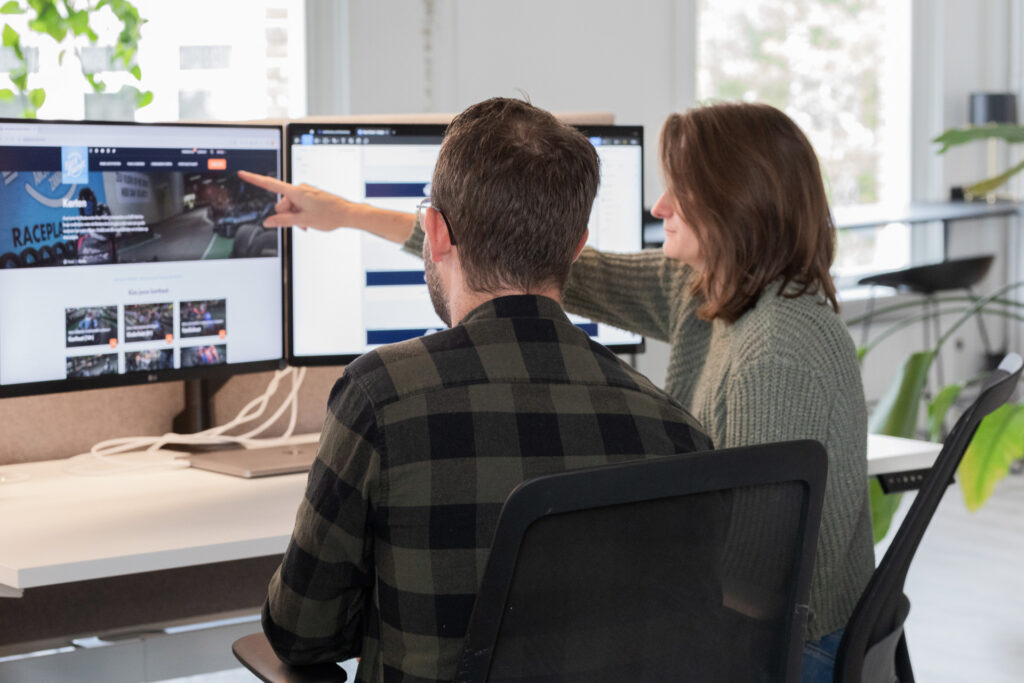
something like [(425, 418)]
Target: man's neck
[(462, 303)]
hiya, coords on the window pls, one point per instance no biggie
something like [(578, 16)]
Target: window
[(202, 60), (841, 70)]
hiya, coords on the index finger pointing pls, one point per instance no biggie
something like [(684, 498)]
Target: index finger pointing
[(266, 182)]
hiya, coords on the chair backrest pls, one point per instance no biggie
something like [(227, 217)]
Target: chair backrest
[(882, 608), (687, 567)]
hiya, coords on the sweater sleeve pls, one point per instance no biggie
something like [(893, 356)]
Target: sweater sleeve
[(414, 245), (635, 292)]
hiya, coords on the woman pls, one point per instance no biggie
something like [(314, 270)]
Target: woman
[(741, 291)]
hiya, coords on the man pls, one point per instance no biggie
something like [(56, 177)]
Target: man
[(424, 439)]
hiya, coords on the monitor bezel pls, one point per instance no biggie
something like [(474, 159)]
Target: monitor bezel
[(175, 374), (431, 129)]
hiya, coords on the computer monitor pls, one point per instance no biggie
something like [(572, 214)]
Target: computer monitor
[(133, 253), (350, 291)]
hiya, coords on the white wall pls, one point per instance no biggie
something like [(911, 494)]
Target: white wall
[(638, 60)]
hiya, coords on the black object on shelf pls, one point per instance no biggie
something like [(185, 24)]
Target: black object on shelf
[(962, 273), (992, 107)]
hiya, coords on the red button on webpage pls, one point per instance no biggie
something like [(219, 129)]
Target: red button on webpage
[(217, 164)]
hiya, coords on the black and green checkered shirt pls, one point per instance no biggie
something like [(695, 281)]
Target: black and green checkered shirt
[(422, 443)]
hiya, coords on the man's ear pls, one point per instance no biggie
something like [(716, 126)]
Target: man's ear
[(437, 235), (579, 247)]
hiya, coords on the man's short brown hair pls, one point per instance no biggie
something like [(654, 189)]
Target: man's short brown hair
[(517, 186), (746, 180)]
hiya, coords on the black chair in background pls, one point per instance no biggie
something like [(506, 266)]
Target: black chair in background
[(874, 646), (928, 281), (690, 567)]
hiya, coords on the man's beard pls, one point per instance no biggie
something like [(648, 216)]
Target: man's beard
[(438, 297)]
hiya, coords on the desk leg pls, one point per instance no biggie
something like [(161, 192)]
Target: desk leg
[(8, 592)]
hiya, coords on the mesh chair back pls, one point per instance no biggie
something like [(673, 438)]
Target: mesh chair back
[(689, 567), (873, 647)]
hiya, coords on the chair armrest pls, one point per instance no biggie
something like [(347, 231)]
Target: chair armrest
[(255, 653)]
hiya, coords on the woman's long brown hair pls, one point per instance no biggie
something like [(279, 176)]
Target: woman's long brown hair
[(746, 180)]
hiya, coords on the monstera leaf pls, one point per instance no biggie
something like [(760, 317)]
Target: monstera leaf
[(997, 443), (896, 415), (1010, 132)]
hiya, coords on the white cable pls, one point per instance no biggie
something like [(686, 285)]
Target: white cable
[(143, 448)]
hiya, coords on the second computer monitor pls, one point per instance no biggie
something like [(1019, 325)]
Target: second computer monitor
[(351, 291)]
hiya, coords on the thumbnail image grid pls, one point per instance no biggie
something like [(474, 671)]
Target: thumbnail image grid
[(148, 322), (92, 366), (208, 354), (149, 360), (204, 318), (90, 326)]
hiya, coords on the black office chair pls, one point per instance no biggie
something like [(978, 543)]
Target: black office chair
[(874, 646), (690, 567), (929, 280)]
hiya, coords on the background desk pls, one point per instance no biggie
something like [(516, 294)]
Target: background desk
[(875, 215)]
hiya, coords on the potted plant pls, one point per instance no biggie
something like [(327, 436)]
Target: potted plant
[(1012, 133), (999, 440)]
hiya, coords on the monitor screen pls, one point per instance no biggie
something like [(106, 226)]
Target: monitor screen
[(350, 291), (133, 253)]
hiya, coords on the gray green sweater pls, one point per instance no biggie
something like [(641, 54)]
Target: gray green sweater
[(787, 369)]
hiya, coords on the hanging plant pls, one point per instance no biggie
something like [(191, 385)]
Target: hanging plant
[(68, 24)]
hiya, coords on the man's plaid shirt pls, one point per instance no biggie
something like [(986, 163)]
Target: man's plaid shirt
[(422, 443)]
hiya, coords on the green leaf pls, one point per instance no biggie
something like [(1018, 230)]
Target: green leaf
[(997, 443), (137, 72), (883, 508), (861, 352), (37, 96), (97, 85), (896, 413), (20, 79), (989, 185), (79, 22), (143, 98), (55, 27), (6, 95), (938, 408), (11, 37), (11, 7), (1010, 132)]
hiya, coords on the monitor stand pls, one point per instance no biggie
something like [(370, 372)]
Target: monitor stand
[(198, 415)]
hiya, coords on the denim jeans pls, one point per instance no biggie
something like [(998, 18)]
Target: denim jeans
[(819, 659)]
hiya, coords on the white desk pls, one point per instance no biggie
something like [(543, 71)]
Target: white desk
[(888, 454), (57, 527)]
